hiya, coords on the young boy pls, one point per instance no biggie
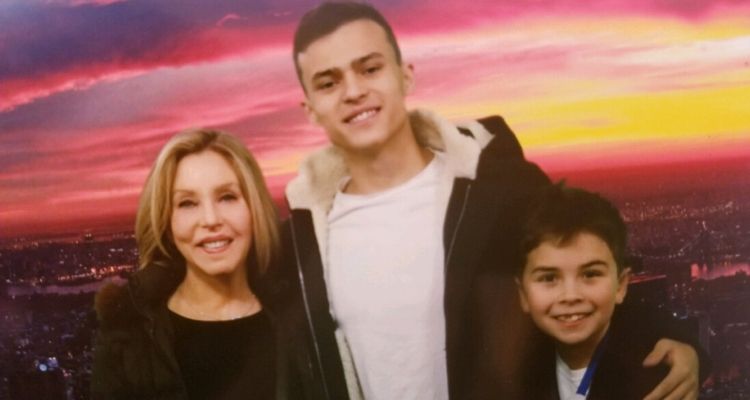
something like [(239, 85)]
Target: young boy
[(572, 282)]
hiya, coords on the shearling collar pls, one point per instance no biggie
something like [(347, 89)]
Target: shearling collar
[(317, 182), (315, 186)]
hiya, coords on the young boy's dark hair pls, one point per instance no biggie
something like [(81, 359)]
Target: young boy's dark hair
[(560, 212), (329, 16)]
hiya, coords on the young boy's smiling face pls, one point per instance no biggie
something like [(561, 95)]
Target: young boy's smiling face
[(570, 289)]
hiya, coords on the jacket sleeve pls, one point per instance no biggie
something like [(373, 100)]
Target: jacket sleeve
[(120, 360), (107, 375), (646, 320)]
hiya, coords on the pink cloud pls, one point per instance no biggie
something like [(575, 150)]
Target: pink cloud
[(80, 132), (228, 19), (208, 46), (77, 3), (445, 17)]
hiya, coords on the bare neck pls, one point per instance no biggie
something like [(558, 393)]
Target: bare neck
[(574, 359), (579, 355), (214, 297), (396, 162)]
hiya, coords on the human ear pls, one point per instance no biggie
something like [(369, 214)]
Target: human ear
[(622, 285), (407, 72), (522, 296), (309, 112)]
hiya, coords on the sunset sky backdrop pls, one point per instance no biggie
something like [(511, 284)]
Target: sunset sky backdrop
[(90, 90)]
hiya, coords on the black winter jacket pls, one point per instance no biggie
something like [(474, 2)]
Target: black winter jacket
[(492, 178), (134, 356), (134, 351)]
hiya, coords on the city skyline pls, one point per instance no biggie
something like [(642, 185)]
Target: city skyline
[(47, 288), (90, 90)]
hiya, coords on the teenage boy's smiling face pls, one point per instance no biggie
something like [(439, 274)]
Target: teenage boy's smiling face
[(570, 289), (355, 88)]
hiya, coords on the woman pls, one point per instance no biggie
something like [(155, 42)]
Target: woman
[(189, 323)]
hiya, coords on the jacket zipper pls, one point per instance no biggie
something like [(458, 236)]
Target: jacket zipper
[(308, 313), (455, 230)]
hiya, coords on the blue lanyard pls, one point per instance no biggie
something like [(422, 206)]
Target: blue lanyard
[(583, 387)]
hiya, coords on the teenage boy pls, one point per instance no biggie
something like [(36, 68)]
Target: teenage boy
[(389, 224), (571, 281)]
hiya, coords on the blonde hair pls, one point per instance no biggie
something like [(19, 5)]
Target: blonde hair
[(152, 225)]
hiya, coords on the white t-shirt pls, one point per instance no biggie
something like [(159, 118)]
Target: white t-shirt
[(385, 283), (568, 381)]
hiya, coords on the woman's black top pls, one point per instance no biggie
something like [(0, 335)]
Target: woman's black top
[(232, 359)]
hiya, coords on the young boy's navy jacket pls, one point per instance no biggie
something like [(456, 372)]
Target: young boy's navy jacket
[(619, 375)]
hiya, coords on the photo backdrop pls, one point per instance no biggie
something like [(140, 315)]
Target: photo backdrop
[(646, 101)]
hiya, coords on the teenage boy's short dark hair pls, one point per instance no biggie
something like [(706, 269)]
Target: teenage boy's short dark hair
[(329, 16), (559, 213)]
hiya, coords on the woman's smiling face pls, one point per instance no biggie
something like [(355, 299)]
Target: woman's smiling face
[(210, 221)]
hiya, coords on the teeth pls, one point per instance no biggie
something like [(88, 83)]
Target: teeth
[(570, 317), (362, 116), (216, 244)]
